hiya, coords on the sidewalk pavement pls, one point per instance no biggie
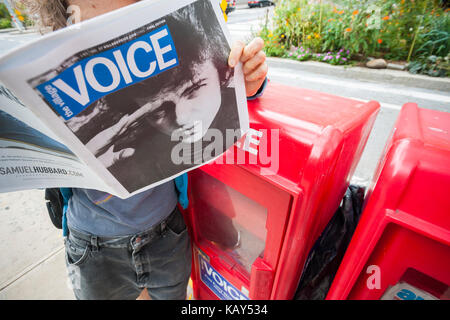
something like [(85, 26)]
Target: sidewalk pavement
[(32, 249)]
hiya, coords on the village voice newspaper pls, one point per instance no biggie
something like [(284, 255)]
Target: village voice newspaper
[(122, 102)]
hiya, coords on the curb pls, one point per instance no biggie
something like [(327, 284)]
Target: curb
[(357, 73), (17, 31), (7, 30)]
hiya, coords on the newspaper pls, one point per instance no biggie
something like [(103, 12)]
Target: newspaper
[(122, 102)]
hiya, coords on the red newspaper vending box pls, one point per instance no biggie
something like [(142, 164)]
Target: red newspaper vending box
[(401, 246), (256, 211)]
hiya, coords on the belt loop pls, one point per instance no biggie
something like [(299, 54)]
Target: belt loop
[(163, 226), (94, 243)]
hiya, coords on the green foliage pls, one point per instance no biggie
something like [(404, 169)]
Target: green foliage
[(436, 41), (5, 18), (340, 57), (433, 66), (300, 54), (391, 29), (274, 44), (5, 23), (4, 14)]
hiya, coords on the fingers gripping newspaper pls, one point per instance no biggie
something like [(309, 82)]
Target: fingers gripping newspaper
[(122, 102)]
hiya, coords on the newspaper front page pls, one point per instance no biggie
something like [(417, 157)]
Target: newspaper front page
[(127, 100)]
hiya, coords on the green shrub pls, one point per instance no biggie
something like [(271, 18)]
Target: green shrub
[(273, 46), (392, 29), (5, 23), (300, 54), (436, 41), (433, 66)]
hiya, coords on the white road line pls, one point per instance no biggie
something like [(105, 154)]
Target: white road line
[(277, 72)]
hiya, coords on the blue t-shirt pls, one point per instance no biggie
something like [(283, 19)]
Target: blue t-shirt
[(101, 214)]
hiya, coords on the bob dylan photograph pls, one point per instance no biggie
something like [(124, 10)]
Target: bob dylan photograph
[(130, 130)]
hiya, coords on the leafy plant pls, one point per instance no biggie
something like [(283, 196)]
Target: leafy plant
[(336, 58), (433, 66), (300, 54), (5, 23), (390, 29), (3, 11), (5, 20), (272, 45), (437, 40)]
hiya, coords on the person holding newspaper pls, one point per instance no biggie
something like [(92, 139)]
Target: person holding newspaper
[(157, 125), (118, 247)]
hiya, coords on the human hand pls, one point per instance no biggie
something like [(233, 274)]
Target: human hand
[(104, 138), (254, 63)]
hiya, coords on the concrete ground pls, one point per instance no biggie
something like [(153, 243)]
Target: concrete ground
[(32, 249)]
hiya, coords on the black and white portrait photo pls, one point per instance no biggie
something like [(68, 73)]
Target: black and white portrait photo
[(131, 130)]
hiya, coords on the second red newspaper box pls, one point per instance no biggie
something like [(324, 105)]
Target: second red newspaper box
[(254, 219), (401, 247)]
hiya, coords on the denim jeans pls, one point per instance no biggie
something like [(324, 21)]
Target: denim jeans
[(158, 259)]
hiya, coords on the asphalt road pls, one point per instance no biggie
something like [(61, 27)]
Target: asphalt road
[(245, 22), (245, 14)]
